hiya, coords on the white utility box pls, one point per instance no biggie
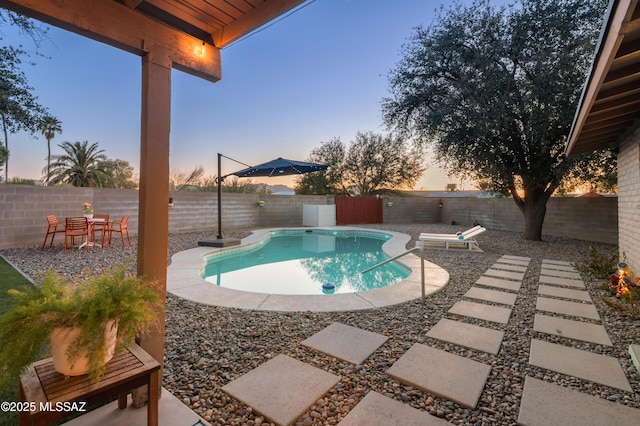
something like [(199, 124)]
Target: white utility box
[(319, 214)]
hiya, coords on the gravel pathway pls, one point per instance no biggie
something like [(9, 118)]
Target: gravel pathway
[(208, 346)]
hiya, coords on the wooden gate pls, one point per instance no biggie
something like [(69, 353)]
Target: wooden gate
[(357, 210)]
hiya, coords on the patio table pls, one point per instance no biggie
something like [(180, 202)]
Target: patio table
[(53, 396)]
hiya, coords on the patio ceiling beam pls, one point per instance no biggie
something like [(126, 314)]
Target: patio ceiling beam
[(619, 16), (252, 20), (120, 26)]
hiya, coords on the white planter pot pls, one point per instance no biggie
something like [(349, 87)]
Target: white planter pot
[(88, 215), (63, 337)]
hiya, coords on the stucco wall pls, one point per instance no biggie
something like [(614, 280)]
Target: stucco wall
[(629, 199)]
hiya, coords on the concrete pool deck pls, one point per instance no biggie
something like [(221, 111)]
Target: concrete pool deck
[(184, 279)]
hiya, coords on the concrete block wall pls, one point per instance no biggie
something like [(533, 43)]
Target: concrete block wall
[(198, 211), (23, 210), (410, 210), (592, 219), (629, 199)]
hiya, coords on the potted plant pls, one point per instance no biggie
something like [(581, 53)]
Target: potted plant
[(87, 210), (90, 310)]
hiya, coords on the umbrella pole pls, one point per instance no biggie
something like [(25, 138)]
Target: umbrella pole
[(219, 196), (219, 241)]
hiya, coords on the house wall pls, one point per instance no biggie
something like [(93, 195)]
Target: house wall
[(629, 199), (23, 210)]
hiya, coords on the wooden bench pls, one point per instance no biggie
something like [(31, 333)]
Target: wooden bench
[(53, 395)]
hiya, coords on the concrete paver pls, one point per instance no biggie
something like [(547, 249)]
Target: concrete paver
[(557, 262), (499, 283), (467, 335), (545, 404), (567, 308), (509, 267), (379, 410), (508, 256), (558, 267), (513, 261), (450, 376), (491, 295), (281, 389), (578, 330), (565, 293), (346, 342), (481, 311), (561, 274), (578, 363), (567, 282), (505, 274)]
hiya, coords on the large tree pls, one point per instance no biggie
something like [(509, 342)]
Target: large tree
[(494, 92), (371, 164), (81, 165), (119, 174), (19, 109)]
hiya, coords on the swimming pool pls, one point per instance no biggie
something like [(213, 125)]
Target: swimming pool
[(306, 262)]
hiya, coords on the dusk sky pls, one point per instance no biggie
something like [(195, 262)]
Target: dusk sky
[(317, 74)]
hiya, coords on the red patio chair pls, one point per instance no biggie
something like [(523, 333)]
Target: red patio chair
[(76, 227), (52, 229), (100, 227), (120, 227)]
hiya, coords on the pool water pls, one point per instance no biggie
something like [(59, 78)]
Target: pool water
[(301, 262)]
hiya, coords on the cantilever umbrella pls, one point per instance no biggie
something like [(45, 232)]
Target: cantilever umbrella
[(278, 167)]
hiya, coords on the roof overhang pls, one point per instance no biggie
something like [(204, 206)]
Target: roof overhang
[(610, 104), (176, 27)]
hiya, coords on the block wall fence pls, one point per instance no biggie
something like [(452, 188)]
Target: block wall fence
[(23, 211)]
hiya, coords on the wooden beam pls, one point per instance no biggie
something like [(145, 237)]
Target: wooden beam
[(115, 24), (250, 21), (608, 46)]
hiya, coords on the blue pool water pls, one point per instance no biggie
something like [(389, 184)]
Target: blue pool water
[(300, 262)]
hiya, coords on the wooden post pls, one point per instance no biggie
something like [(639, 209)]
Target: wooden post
[(153, 216)]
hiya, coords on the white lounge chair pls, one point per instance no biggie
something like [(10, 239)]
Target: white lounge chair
[(463, 233), (465, 238)]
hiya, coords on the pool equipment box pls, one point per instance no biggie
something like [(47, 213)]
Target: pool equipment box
[(318, 215)]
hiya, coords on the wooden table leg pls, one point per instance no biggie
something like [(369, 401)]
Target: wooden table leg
[(153, 396), (23, 416), (122, 400)]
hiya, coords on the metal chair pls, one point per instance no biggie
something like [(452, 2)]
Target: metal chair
[(52, 229), (76, 227), (120, 227)]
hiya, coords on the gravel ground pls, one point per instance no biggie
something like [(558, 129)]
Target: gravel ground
[(208, 346)]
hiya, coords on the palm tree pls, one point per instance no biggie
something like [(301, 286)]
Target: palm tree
[(49, 127), (81, 165)]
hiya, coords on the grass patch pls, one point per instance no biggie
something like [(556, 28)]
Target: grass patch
[(9, 278)]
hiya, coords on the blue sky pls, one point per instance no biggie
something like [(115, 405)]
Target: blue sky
[(318, 74)]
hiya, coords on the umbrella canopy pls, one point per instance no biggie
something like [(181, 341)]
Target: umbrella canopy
[(280, 167)]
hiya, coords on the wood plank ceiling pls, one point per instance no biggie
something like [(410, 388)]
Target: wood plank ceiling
[(217, 22), (610, 105)]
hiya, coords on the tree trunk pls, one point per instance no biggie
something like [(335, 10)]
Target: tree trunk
[(6, 145), (533, 207)]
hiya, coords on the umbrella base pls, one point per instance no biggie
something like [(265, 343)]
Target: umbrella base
[(219, 242)]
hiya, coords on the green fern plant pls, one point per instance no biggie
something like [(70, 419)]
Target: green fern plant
[(89, 305)]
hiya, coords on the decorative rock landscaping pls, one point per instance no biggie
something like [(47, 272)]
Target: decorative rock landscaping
[(208, 347)]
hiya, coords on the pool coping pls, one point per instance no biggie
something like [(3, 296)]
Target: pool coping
[(184, 280)]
